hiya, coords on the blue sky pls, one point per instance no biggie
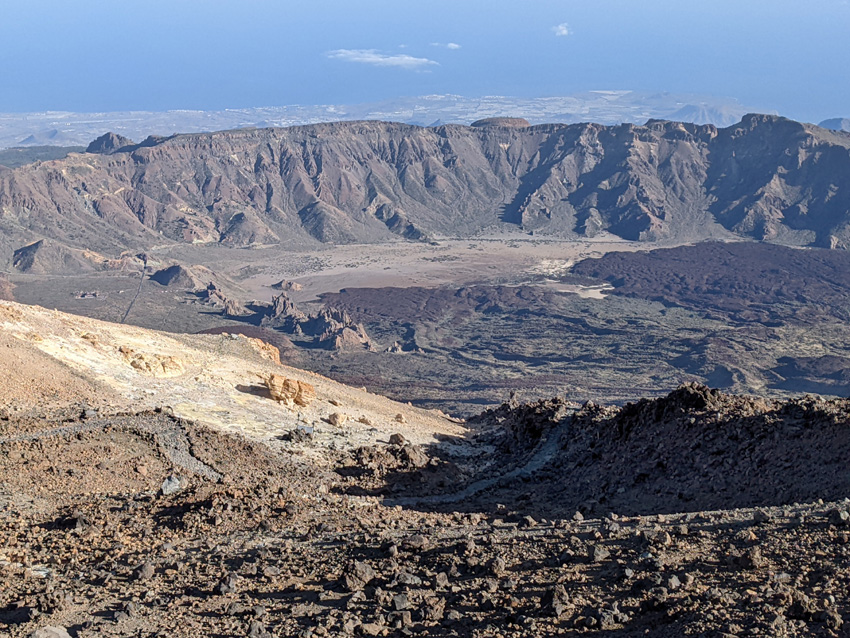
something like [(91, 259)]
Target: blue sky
[(89, 55)]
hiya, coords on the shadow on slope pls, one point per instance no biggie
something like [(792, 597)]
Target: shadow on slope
[(696, 449)]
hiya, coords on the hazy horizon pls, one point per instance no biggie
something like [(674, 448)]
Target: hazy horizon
[(95, 56)]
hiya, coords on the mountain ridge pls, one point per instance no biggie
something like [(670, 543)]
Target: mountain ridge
[(766, 178)]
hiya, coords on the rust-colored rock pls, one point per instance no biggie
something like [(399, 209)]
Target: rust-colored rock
[(266, 350), (289, 391)]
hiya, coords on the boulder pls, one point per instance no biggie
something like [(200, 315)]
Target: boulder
[(347, 339), (171, 485), (337, 419), (358, 576), (289, 286), (155, 365), (289, 391)]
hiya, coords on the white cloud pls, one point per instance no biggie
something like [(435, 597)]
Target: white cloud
[(562, 30), (376, 58), (449, 45), (452, 45)]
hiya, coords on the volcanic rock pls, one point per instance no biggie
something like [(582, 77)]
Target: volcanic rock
[(284, 314), (840, 517), (408, 579), (416, 542), (395, 348), (290, 392), (258, 630), (413, 457), (214, 296), (397, 439), (358, 576), (171, 485), (153, 364), (48, 257), (147, 570), (233, 309), (287, 286), (555, 601), (332, 328), (666, 451), (266, 350), (401, 602), (345, 339), (109, 143), (598, 553), (664, 180), (227, 584), (337, 419), (178, 276), (326, 322)]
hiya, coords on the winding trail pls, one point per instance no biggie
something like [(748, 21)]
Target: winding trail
[(543, 453)]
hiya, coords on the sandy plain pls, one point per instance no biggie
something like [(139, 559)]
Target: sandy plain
[(493, 259)]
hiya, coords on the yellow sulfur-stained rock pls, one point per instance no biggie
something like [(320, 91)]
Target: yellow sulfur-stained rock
[(155, 365)]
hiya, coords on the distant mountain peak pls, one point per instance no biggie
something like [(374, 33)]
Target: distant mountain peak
[(509, 122), (720, 115), (837, 124), (108, 143)]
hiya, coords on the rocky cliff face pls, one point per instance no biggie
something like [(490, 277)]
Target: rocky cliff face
[(330, 327), (766, 177), (108, 143)]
